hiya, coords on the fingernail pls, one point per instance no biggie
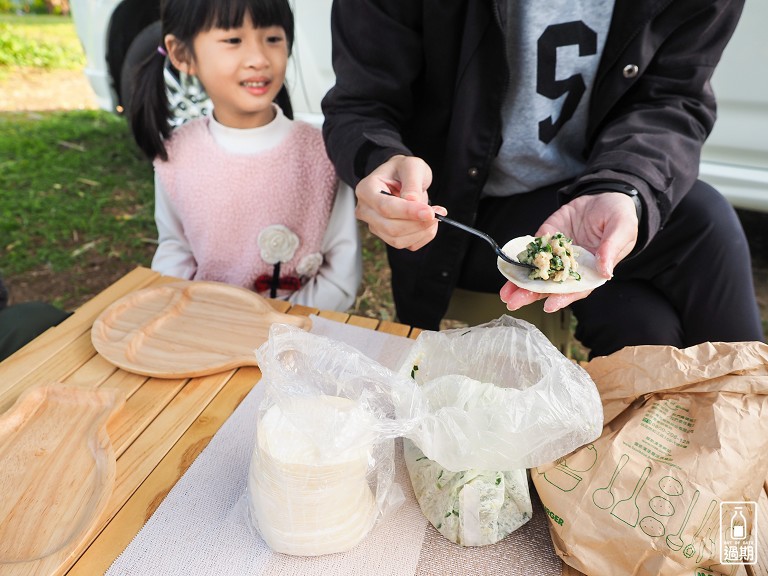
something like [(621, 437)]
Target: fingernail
[(604, 267), (426, 214)]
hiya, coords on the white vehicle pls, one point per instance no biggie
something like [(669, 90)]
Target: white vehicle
[(735, 157), (117, 34)]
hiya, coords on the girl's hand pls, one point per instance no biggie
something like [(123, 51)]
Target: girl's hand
[(404, 222), (604, 224)]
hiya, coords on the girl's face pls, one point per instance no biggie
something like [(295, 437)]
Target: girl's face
[(242, 70)]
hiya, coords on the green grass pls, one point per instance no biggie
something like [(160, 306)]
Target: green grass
[(74, 188), (32, 41), (71, 182)]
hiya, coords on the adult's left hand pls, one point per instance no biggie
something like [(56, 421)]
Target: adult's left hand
[(604, 224)]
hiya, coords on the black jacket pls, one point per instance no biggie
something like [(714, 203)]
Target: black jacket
[(3, 294), (428, 77)]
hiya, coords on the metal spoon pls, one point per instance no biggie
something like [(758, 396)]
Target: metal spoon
[(477, 233)]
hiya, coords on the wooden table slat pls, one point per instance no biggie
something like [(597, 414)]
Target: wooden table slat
[(394, 328), (93, 372), (127, 382), (335, 316), (143, 455), (53, 369), (140, 410), (363, 322), (299, 310), (163, 432), (132, 517), (280, 305)]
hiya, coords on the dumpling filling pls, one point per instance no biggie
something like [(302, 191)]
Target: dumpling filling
[(554, 257)]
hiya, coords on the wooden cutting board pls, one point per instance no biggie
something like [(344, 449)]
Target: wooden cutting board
[(57, 471), (186, 329)]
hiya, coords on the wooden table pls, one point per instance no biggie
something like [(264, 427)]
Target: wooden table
[(164, 424)]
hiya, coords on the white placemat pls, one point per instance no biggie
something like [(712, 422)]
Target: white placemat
[(201, 528)]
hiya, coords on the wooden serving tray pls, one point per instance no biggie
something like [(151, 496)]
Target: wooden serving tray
[(186, 329), (57, 470)]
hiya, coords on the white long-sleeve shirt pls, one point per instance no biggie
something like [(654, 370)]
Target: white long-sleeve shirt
[(335, 285)]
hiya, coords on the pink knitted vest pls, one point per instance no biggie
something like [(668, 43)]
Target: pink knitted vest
[(226, 201)]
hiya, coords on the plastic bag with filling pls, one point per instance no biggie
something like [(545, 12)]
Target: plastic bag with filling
[(498, 396), (473, 507), (489, 402)]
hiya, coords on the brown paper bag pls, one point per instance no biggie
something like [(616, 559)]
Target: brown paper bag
[(684, 431)]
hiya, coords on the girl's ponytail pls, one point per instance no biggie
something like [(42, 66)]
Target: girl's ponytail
[(283, 100), (148, 112)]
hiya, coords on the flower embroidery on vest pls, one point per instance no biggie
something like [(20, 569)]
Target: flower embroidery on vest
[(309, 264), (277, 244)]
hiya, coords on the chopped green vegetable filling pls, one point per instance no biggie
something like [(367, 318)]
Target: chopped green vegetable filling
[(553, 256)]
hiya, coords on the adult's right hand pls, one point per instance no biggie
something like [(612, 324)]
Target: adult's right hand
[(404, 222)]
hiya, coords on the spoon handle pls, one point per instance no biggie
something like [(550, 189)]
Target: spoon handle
[(503, 255)]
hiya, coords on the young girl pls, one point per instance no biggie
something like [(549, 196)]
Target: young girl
[(247, 196)]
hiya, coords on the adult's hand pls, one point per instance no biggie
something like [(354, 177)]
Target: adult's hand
[(604, 224), (404, 222)]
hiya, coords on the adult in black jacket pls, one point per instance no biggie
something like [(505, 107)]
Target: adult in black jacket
[(429, 103)]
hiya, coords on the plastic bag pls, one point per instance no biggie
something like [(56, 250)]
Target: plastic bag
[(490, 401), (498, 396), (472, 507), (322, 470)]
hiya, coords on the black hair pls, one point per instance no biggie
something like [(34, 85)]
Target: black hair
[(148, 111)]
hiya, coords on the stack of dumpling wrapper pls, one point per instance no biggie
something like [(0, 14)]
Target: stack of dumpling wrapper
[(323, 464), (308, 501)]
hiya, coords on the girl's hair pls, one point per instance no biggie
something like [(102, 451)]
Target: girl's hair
[(148, 111)]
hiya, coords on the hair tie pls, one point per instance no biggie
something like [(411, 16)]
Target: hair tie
[(161, 51)]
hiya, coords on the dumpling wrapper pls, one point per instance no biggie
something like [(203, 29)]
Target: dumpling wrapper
[(590, 278)]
